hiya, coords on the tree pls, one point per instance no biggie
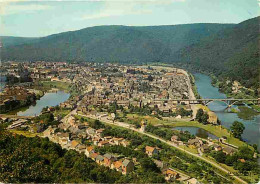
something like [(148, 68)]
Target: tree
[(148, 164), (199, 115), (255, 147), (204, 118), (237, 129), (220, 156)]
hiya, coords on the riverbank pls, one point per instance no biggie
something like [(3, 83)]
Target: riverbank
[(235, 90), (40, 89), (206, 90)]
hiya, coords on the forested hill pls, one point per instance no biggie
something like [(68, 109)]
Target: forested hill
[(113, 43), (228, 50), (12, 41), (232, 53)]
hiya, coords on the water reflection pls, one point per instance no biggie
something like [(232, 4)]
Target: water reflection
[(49, 99), (200, 132)]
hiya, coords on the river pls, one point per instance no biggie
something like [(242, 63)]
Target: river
[(49, 99), (206, 90)]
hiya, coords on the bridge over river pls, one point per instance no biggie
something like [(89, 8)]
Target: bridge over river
[(228, 101)]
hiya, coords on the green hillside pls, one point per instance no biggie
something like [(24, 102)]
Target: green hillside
[(12, 41), (113, 43), (232, 53)]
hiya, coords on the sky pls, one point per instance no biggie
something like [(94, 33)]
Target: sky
[(28, 18)]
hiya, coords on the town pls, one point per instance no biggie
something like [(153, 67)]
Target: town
[(106, 99)]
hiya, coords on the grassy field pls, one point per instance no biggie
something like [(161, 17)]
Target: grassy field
[(150, 119), (205, 108), (195, 151), (56, 84), (47, 85), (62, 112), (25, 133)]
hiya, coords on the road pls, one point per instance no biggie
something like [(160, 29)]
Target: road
[(125, 125)]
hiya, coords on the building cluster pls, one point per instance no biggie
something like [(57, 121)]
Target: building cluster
[(105, 83), (70, 133), (206, 146), (14, 96), (127, 85)]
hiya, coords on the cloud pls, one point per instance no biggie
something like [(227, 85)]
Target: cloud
[(13, 8)]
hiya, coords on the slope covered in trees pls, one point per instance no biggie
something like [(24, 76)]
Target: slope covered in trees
[(26, 160), (12, 41), (113, 43), (232, 53)]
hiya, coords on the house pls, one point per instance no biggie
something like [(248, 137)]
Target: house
[(150, 151), (103, 143), (216, 147), (170, 174), (118, 141), (160, 165), (74, 144), (125, 143), (117, 165), (204, 148), (242, 160), (179, 143), (91, 132), (89, 150), (108, 159), (107, 138), (55, 79), (192, 181), (127, 166), (48, 131), (99, 132), (96, 140), (81, 148), (63, 141), (174, 138), (100, 159), (63, 135), (93, 156), (228, 151), (195, 142)]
